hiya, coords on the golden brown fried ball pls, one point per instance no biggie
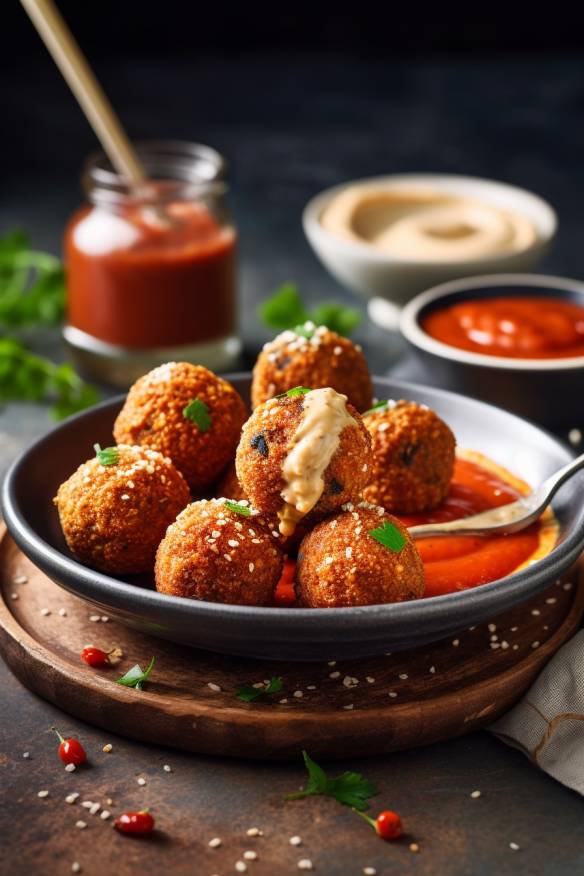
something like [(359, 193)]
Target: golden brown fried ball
[(413, 458), (267, 438), (114, 516), (216, 554), (154, 416), (341, 564), (229, 485), (323, 359)]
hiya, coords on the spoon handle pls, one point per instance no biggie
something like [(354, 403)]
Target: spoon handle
[(543, 495)]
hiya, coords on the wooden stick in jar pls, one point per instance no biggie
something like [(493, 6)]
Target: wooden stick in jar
[(73, 65)]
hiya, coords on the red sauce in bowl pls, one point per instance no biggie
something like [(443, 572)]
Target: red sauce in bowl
[(460, 563), (530, 327)]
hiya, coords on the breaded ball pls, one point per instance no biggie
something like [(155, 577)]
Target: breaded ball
[(229, 485), (113, 516), (413, 457), (341, 564), (303, 454), (317, 357), (217, 554), (187, 413)]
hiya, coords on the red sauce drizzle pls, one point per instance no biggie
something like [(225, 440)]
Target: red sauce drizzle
[(530, 327)]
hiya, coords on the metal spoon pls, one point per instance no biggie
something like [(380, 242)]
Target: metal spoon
[(506, 518)]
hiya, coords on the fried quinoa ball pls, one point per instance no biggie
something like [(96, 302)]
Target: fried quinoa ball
[(113, 516), (211, 552), (413, 457), (187, 413), (341, 564), (321, 359), (303, 456)]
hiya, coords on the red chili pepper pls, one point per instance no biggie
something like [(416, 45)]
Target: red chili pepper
[(95, 656), (70, 750), (135, 822), (387, 825)]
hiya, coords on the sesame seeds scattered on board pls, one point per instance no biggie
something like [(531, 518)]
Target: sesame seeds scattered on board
[(254, 831), (514, 847), (107, 748), (250, 855), (81, 824), (305, 864), (42, 794), (214, 843), (20, 579), (216, 688), (475, 794), (71, 798), (335, 674), (45, 612), (241, 866), (70, 768), (167, 768), (295, 841), (141, 781)]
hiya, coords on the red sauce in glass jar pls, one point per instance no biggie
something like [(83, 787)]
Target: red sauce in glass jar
[(144, 276), (530, 327)]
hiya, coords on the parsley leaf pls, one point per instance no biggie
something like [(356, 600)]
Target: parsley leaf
[(285, 310), (380, 406), (107, 456), (389, 536), (237, 508), (248, 693), (350, 789), (135, 677), (198, 412), (297, 390), (32, 284), (24, 376)]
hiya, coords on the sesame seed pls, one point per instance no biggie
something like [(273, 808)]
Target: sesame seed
[(254, 831), (495, 645), (567, 586), (403, 676), (167, 768), (514, 847), (298, 694), (251, 567), (515, 647), (535, 644), (305, 864), (283, 702), (14, 595), (63, 612), (104, 618), (334, 675), (215, 533), (504, 645), (337, 351), (26, 754), (455, 643), (20, 579), (43, 794), (494, 637), (107, 747), (241, 866), (332, 663), (71, 798), (275, 533), (214, 843), (310, 687), (141, 781), (94, 618), (414, 847), (124, 497), (392, 694), (492, 627), (76, 867), (105, 814), (369, 679), (81, 825), (45, 612), (535, 612), (349, 707), (369, 871), (295, 841), (250, 855), (233, 543), (87, 804), (475, 794), (551, 601), (70, 768), (95, 808), (574, 436), (514, 629), (227, 557), (349, 552), (329, 560), (214, 687), (432, 670)]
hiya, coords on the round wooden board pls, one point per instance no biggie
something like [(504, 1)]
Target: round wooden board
[(355, 708)]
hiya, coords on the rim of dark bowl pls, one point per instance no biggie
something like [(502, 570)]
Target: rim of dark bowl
[(533, 284), (92, 583)]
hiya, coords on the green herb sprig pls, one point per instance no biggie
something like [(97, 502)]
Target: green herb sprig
[(198, 413), (379, 407), (285, 310), (389, 536), (107, 456), (244, 510), (136, 676), (24, 376), (350, 789), (296, 390), (32, 284), (248, 693)]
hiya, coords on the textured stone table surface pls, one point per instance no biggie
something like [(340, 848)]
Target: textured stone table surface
[(290, 125)]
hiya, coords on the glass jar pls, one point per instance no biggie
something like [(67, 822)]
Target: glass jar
[(151, 266)]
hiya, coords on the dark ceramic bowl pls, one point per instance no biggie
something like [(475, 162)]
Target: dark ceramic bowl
[(280, 633), (548, 391)]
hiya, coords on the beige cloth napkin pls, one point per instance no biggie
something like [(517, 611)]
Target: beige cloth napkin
[(548, 723)]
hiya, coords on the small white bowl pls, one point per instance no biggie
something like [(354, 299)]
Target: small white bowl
[(371, 273)]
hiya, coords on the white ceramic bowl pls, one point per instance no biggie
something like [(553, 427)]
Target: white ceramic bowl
[(373, 274)]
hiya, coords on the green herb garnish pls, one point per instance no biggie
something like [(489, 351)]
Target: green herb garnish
[(248, 693), (237, 508), (24, 376), (198, 412), (297, 390), (350, 789), (32, 284), (107, 456), (135, 677), (285, 310), (389, 536), (304, 332), (380, 406)]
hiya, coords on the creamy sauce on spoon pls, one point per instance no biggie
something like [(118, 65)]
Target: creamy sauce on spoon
[(311, 449)]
